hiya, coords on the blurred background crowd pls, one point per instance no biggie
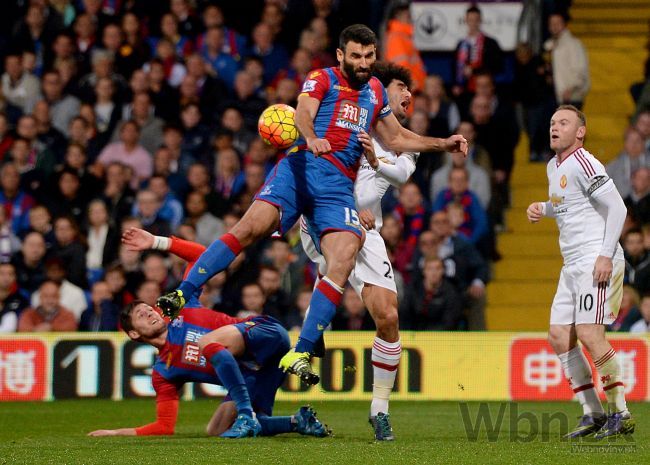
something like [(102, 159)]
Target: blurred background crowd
[(143, 113)]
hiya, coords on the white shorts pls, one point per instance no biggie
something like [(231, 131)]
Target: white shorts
[(580, 300), (372, 267)]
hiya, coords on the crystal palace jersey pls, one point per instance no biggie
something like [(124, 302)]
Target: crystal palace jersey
[(573, 186), (180, 360), (344, 111)]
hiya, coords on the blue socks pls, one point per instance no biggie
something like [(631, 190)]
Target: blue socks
[(275, 425), (230, 376), (322, 309)]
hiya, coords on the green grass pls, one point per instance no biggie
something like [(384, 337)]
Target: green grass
[(427, 433)]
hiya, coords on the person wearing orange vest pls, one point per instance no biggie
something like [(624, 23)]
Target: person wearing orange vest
[(399, 46)]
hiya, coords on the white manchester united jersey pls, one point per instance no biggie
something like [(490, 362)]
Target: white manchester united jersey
[(573, 186), (370, 186)]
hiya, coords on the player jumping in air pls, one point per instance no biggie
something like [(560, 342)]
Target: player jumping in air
[(372, 277), (590, 214), (206, 346), (335, 108)]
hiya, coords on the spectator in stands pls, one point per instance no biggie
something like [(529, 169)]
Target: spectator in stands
[(276, 300), (476, 51), (296, 315), (224, 66), (254, 175), (252, 301), (147, 210), (534, 91), (103, 239), (444, 116), (117, 194), (133, 52), (171, 209), (638, 202), (196, 135), (40, 155), (82, 133), (569, 62), (210, 89), (62, 107), (352, 315), (130, 153), (164, 97), (207, 225), (50, 315), (9, 242), (642, 124), (31, 178), (643, 324), (141, 111), (115, 278), (14, 200), (40, 220), (70, 249), (233, 120), (19, 87), (479, 179), (154, 268), (431, 303), (188, 24), (400, 46), (628, 314), (66, 197), (29, 263), (411, 212), (6, 137), (102, 68), (400, 251), (47, 134), (148, 292), (637, 261), (273, 55), (633, 156), (198, 179), (251, 105), (475, 227), (102, 314), (77, 161), (12, 303)]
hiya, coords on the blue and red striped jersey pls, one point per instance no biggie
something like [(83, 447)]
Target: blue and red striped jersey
[(344, 111), (180, 361)]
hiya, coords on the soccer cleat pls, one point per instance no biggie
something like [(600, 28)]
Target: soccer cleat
[(381, 425), (308, 425), (589, 424), (297, 363), (171, 304), (243, 427), (617, 423)]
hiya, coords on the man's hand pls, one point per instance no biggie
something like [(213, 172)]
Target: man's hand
[(456, 144), (476, 291), (103, 432), (319, 146), (367, 219), (534, 212), (603, 269), (137, 240), (368, 149)]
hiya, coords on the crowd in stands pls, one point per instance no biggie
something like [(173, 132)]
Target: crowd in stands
[(143, 113)]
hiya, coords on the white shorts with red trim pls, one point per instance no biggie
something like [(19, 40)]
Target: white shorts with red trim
[(581, 300)]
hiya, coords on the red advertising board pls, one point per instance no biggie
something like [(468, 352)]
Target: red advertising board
[(23, 373), (536, 372)]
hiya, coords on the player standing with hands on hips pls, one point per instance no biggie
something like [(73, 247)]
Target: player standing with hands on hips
[(590, 214), (336, 106)]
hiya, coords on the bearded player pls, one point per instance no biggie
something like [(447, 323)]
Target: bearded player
[(372, 277), (590, 214), (206, 346), (336, 108)]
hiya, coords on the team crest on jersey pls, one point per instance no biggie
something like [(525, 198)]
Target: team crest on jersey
[(373, 96), (178, 322), (563, 181)]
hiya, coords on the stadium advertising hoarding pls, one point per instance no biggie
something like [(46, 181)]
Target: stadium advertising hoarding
[(439, 25), (435, 366)]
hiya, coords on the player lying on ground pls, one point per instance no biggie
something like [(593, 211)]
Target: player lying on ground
[(372, 276), (336, 106), (206, 346), (590, 214)]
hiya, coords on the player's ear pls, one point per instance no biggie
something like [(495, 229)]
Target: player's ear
[(133, 335), (340, 54), (582, 130)]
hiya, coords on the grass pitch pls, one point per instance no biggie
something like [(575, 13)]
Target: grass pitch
[(427, 433)]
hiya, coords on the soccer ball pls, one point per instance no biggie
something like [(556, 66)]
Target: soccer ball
[(277, 126)]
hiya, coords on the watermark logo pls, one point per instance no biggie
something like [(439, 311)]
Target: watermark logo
[(507, 421)]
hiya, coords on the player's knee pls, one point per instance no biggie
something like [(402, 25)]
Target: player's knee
[(590, 335), (557, 340), (388, 320)]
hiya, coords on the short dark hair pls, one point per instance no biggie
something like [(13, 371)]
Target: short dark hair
[(473, 9), (581, 115), (386, 72), (359, 33), (125, 315)]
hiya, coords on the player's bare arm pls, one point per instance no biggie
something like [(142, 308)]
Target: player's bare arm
[(305, 114), (137, 240), (368, 149), (399, 139), (113, 432)]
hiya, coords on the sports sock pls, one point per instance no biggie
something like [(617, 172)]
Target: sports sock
[(276, 425), (610, 377), (578, 372), (230, 376), (322, 308), (216, 258), (385, 360)]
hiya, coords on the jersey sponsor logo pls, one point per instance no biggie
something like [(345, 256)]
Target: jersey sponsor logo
[(192, 354), (309, 85), (352, 117), (349, 111), (599, 181), (563, 181), (343, 88), (556, 199), (385, 110)]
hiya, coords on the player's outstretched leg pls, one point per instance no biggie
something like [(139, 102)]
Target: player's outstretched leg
[(308, 425), (228, 371)]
